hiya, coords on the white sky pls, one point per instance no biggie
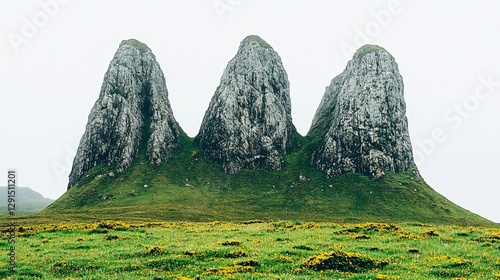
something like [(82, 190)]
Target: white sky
[(54, 53)]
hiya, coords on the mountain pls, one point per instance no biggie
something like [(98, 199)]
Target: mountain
[(27, 201), (248, 123), (131, 114), (361, 122), (248, 162)]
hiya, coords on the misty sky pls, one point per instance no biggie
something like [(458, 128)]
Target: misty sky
[(54, 53)]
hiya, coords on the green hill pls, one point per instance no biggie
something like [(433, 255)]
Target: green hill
[(190, 188), (28, 201)]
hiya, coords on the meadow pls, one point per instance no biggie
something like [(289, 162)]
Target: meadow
[(251, 250)]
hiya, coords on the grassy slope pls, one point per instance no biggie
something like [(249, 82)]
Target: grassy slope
[(190, 188)]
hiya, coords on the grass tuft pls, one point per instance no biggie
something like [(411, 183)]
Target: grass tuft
[(342, 261), (154, 250)]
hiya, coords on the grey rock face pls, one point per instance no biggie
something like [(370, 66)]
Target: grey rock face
[(248, 123), (132, 113), (361, 124)]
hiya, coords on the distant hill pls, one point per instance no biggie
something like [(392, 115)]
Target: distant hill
[(28, 201)]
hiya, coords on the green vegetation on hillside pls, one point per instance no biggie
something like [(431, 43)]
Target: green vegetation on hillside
[(259, 40), (369, 48), (137, 44), (190, 188), (253, 250)]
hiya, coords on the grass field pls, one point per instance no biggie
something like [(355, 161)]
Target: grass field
[(252, 250)]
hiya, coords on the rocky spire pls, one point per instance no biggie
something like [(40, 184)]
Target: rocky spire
[(360, 124), (132, 114), (248, 123)]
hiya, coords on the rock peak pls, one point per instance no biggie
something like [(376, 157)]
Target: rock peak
[(254, 38), (369, 49), (136, 44), (361, 122), (132, 115), (248, 124)]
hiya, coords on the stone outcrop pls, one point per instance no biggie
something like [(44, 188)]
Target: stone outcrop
[(360, 125), (248, 124), (132, 114)]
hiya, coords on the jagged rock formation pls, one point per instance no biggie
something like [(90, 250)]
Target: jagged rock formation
[(248, 123), (132, 113), (361, 124)]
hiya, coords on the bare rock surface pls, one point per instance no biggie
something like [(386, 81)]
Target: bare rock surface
[(361, 124), (248, 124), (131, 114)]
